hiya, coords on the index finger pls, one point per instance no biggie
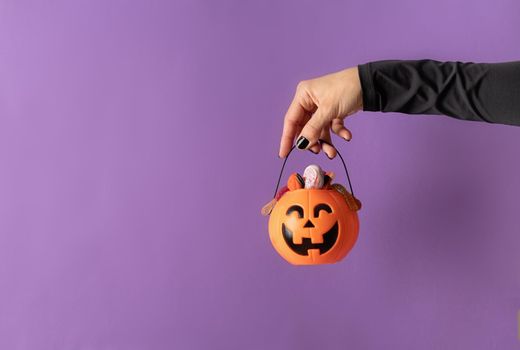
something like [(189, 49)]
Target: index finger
[(293, 119)]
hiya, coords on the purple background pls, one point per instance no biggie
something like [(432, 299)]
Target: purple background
[(138, 141)]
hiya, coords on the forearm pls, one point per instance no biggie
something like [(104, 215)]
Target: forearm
[(487, 92)]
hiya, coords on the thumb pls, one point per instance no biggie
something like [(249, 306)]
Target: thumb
[(312, 130)]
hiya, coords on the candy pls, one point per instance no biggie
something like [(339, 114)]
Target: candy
[(327, 179), (313, 176), (281, 192), (358, 203), (268, 208), (341, 189), (330, 174), (352, 202), (301, 180), (295, 182)]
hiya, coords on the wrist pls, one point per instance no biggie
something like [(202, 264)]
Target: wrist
[(354, 89)]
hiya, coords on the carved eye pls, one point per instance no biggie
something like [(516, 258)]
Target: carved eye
[(320, 207), (295, 208)]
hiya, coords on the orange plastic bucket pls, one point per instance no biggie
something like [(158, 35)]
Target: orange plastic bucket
[(314, 226)]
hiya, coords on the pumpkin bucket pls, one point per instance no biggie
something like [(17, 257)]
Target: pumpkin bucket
[(313, 226)]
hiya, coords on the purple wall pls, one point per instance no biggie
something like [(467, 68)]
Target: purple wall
[(138, 141)]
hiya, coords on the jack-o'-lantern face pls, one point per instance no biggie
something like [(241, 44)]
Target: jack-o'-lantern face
[(305, 232), (313, 226)]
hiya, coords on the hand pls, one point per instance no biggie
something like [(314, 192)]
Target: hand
[(320, 105)]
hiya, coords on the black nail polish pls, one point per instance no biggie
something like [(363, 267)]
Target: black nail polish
[(302, 142)]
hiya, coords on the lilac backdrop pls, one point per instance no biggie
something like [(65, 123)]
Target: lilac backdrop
[(139, 139)]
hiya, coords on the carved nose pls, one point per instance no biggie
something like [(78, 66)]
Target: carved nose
[(308, 224)]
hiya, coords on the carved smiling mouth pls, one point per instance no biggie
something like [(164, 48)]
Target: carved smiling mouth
[(329, 239)]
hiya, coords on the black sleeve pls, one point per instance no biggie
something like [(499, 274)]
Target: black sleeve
[(488, 92)]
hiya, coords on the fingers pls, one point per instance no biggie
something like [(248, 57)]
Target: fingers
[(339, 129), (314, 148), (293, 120), (311, 121), (327, 146), (311, 132)]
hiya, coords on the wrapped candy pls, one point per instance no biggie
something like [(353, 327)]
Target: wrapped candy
[(327, 179), (314, 176), (295, 182), (352, 202), (281, 192), (266, 209)]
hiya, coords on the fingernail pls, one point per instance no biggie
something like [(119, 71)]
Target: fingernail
[(302, 142)]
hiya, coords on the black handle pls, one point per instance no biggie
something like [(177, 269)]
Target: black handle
[(285, 161)]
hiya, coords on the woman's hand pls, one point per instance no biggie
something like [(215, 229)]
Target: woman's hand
[(320, 105)]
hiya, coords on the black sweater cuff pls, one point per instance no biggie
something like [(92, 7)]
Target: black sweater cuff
[(370, 96)]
